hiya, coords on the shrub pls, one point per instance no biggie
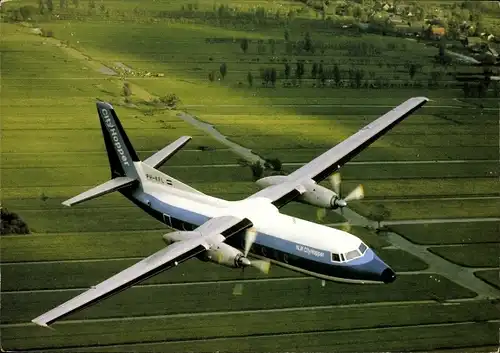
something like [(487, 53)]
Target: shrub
[(11, 223)]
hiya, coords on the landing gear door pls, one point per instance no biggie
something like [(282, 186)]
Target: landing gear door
[(167, 220)]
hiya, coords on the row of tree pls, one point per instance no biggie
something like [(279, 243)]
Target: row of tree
[(318, 71)]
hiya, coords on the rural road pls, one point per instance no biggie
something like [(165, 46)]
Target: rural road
[(209, 129)]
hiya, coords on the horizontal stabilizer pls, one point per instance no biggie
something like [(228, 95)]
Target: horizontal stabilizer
[(105, 188), (166, 153)]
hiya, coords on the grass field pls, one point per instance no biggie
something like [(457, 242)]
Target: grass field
[(52, 149), (215, 325), (490, 276), (470, 255), (455, 233)]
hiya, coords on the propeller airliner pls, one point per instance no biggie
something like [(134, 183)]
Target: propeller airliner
[(227, 232)]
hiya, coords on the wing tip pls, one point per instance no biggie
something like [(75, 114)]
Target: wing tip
[(41, 323), (66, 203)]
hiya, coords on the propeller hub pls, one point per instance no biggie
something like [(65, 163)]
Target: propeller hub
[(339, 203), (243, 261)]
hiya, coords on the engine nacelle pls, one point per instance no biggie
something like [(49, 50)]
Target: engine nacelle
[(317, 195), (225, 255), (221, 254)]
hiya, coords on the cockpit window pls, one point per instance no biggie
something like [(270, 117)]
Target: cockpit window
[(352, 255), (335, 257), (362, 248)]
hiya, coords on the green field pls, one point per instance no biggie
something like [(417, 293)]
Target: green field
[(52, 149), (219, 325), (470, 255), (449, 233), (489, 276)]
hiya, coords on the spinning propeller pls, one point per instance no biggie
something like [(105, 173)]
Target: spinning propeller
[(261, 265), (339, 202)]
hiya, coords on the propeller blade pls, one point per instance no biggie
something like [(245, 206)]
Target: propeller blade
[(320, 213), (261, 265), (335, 181), (356, 194), (346, 227), (250, 236)]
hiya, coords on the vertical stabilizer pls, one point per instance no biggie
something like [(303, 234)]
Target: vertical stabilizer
[(121, 154)]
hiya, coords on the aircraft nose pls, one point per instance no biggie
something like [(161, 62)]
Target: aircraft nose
[(388, 275), (376, 269)]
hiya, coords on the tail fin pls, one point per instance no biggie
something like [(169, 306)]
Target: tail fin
[(121, 154)]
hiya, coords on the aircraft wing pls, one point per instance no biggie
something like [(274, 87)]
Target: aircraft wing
[(324, 165), (210, 233)]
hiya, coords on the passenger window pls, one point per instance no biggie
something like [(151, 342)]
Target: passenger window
[(285, 258), (335, 257)]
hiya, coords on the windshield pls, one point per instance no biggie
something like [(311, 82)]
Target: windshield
[(352, 255)]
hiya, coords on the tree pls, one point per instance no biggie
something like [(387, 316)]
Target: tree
[(250, 78), (314, 70), (379, 213), (211, 76), (412, 70), (50, 5), (261, 48), (273, 76), (336, 74), (63, 4), (91, 4), (299, 71), (308, 44), (286, 35), (287, 71), (171, 100), (223, 70), (127, 91), (272, 43), (244, 45), (11, 223), (76, 3), (41, 7), (358, 77)]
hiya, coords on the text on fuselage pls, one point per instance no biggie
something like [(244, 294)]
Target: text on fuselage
[(309, 251)]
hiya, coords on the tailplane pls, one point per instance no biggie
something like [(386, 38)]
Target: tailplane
[(127, 170)]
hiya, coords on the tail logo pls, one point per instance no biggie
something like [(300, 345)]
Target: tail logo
[(114, 136)]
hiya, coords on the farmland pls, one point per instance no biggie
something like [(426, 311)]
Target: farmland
[(52, 149)]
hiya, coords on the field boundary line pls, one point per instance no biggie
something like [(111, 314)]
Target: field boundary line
[(239, 312)]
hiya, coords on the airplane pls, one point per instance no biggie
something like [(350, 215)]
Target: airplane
[(226, 232)]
